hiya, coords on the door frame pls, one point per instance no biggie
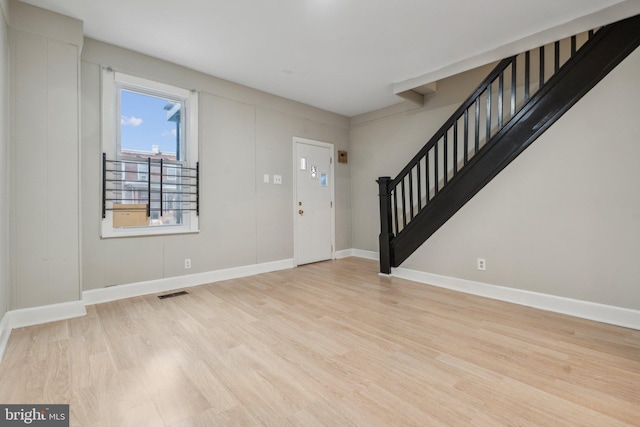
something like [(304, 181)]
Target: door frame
[(296, 141)]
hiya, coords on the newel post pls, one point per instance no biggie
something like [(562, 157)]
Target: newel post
[(385, 224)]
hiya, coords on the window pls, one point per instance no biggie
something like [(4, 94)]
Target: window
[(150, 138), (173, 171), (143, 171)]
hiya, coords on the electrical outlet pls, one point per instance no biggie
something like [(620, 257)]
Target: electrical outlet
[(187, 263), (482, 264)]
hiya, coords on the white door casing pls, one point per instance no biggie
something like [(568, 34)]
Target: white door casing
[(314, 218)]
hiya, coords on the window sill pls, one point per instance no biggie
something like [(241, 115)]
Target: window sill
[(110, 233)]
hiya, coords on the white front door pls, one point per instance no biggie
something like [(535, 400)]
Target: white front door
[(313, 201)]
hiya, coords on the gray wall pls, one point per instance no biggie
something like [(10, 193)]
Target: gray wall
[(4, 163), (44, 155), (244, 134), (383, 141), (562, 219)]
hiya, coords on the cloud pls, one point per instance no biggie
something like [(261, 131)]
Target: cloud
[(130, 121), (169, 133)]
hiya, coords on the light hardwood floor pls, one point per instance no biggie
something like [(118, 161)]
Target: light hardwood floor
[(326, 344)]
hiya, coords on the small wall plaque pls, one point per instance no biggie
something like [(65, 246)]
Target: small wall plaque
[(343, 157)]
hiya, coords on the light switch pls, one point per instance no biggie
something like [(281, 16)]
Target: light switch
[(277, 179), (266, 178)]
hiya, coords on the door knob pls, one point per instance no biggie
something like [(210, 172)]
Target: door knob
[(300, 211)]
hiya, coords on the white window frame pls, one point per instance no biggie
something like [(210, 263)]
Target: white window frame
[(172, 172), (112, 82), (143, 172)]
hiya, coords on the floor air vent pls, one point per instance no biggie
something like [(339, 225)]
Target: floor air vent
[(175, 294)]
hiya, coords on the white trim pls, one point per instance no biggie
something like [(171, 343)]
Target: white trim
[(374, 256), (44, 314), (152, 86), (297, 140), (112, 293), (68, 310), (619, 316), (36, 316), (359, 253), (624, 317), (5, 332), (155, 230), (345, 253), (111, 82)]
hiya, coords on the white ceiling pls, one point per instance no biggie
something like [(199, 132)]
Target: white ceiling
[(345, 56)]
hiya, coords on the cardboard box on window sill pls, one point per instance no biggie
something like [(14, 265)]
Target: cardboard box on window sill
[(130, 215)]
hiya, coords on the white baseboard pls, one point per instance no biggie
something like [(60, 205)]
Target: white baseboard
[(618, 316), (47, 313), (37, 315), (51, 313), (112, 293), (346, 253), (374, 256), (5, 331)]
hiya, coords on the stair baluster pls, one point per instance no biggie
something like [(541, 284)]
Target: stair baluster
[(449, 179)]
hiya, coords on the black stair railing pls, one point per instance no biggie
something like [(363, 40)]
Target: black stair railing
[(466, 135)]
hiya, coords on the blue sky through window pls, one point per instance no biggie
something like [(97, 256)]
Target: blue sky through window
[(143, 123)]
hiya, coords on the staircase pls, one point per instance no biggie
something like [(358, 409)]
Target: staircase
[(520, 99)]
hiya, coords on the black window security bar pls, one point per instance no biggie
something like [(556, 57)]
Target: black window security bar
[(160, 185)]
